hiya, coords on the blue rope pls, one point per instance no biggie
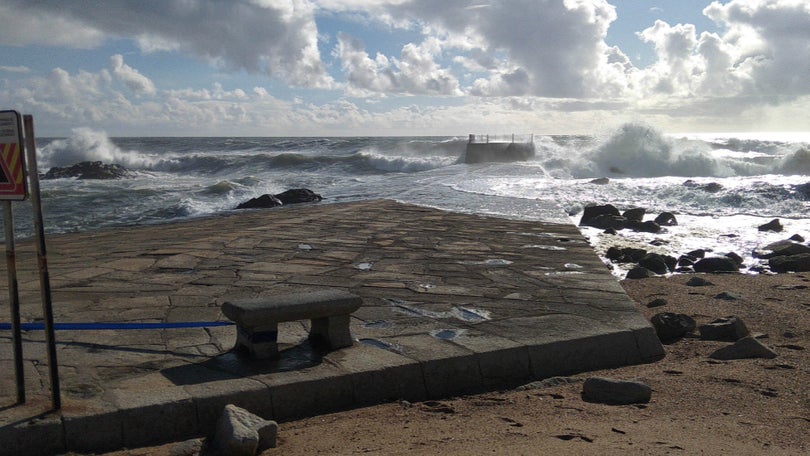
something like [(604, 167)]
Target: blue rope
[(103, 326)]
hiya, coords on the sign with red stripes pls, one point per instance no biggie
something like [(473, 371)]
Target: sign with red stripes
[(12, 165)]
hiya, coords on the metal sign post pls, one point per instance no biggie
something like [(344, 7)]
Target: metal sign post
[(42, 257), (10, 154)]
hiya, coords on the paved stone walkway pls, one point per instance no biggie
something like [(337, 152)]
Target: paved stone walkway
[(453, 304)]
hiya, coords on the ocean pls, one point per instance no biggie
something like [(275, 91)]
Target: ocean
[(754, 178)]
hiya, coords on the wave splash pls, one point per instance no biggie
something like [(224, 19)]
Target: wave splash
[(86, 144)]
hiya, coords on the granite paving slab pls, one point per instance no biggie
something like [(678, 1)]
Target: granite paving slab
[(453, 304)]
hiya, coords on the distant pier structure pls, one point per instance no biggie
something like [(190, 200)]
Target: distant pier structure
[(499, 148)]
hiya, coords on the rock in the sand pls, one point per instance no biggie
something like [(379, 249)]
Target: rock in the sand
[(615, 392), (240, 432), (716, 264), (671, 326), (666, 219), (728, 296), (698, 282), (773, 225), (88, 170), (790, 263), (728, 329), (264, 201), (299, 195), (747, 347), (600, 181), (658, 302), (639, 272)]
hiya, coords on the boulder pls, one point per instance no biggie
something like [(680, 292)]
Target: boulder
[(240, 432), (790, 263), (658, 302), (747, 347), (797, 238), (263, 201), (773, 225), (655, 263), (643, 227), (728, 329), (298, 195), (635, 214), (606, 222), (625, 254), (671, 326), (615, 392), (716, 264), (590, 212), (639, 272), (785, 247), (666, 219), (88, 170), (600, 181)]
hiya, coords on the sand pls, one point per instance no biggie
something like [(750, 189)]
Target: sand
[(698, 406)]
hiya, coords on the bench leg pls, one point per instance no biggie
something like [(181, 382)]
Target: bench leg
[(333, 331), (260, 342)]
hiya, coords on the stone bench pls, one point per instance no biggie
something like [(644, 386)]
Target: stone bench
[(257, 319)]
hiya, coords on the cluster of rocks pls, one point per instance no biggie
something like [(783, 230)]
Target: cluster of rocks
[(671, 327), (608, 217), (88, 170), (292, 196), (787, 255)]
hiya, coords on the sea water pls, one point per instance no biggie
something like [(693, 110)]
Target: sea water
[(759, 177)]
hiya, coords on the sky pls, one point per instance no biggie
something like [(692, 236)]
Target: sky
[(405, 67)]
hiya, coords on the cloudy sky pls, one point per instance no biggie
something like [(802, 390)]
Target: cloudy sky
[(405, 67)]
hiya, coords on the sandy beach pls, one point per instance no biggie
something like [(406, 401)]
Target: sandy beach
[(698, 406)]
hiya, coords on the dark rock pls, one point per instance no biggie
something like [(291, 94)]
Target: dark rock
[(716, 264), (639, 273), (299, 195), (654, 262), (711, 187), (727, 329), (635, 214), (734, 257), (727, 296), (611, 231), (698, 282), (686, 260), (781, 248), (590, 212), (615, 392), (697, 254), (788, 263), (606, 222), (747, 347), (797, 238), (89, 170), (625, 254), (643, 227), (671, 326), (657, 303), (670, 261), (773, 225), (666, 219), (600, 181), (263, 201)]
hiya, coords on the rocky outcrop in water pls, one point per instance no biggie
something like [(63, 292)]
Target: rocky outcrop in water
[(292, 196), (88, 170)]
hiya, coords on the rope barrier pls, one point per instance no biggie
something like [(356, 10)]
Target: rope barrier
[(108, 326)]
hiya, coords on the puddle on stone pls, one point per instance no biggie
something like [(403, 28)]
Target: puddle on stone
[(363, 266), (304, 247), (447, 334), (418, 312), (490, 262), (379, 324), (543, 247), (376, 343), (564, 273), (572, 266), (469, 314)]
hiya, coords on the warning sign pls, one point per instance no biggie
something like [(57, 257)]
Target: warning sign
[(12, 166)]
